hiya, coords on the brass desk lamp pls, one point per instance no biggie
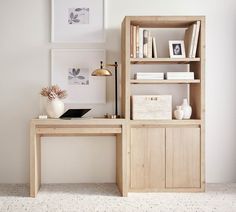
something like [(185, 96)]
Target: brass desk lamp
[(105, 72)]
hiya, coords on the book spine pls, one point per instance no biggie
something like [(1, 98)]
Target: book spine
[(137, 41), (131, 42), (140, 42), (196, 39), (134, 40), (149, 46), (192, 40), (154, 47), (145, 43)]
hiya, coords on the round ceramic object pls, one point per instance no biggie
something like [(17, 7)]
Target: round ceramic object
[(55, 108), (179, 113)]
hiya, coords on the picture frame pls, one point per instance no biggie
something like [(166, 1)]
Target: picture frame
[(71, 69), (177, 49), (77, 21)]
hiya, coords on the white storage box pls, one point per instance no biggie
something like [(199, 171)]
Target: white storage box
[(149, 107)]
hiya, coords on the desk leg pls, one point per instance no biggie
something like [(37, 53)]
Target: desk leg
[(35, 162), (121, 162)]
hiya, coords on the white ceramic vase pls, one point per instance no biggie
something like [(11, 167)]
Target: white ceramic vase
[(55, 108), (179, 113), (187, 109)]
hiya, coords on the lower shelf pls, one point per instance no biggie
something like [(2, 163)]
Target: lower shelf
[(167, 122)]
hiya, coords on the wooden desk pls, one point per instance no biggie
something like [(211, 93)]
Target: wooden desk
[(85, 127)]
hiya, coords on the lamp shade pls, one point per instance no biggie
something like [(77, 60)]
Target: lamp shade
[(101, 72)]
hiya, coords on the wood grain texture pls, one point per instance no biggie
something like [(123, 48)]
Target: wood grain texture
[(57, 127), (163, 60), (35, 161), (183, 156), (196, 88), (147, 158)]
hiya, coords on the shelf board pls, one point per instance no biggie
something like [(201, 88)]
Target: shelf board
[(163, 60), (166, 122), (133, 81)]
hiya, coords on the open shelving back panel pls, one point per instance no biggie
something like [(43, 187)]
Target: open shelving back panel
[(163, 29)]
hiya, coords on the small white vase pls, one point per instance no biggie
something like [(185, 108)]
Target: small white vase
[(55, 108), (179, 113), (187, 109)]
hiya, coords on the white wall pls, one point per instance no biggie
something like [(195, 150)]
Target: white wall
[(24, 67)]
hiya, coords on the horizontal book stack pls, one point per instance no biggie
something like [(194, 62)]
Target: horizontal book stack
[(149, 76), (191, 39), (179, 75), (142, 44)]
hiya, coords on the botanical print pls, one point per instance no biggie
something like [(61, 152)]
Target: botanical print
[(177, 49), (78, 15), (78, 76)]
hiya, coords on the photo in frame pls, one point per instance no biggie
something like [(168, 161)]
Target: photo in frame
[(77, 21), (177, 49), (71, 69)]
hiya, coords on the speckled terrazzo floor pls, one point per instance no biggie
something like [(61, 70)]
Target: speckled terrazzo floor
[(105, 197)]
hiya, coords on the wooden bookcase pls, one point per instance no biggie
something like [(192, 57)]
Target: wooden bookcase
[(165, 155)]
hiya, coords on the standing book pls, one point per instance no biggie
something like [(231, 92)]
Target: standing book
[(137, 41), (134, 41), (189, 39), (145, 43), (195, 42), (131, 42), (140, 43), (149, 46), (154, 48)]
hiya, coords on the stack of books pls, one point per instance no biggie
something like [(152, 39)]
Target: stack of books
[(149, 76), (142, 44), (179, 75), (191, 39)]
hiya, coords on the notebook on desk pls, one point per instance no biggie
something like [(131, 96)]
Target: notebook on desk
[(74, 113)]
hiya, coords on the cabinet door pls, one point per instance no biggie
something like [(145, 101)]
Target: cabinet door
[(183, 158), (147, 160)]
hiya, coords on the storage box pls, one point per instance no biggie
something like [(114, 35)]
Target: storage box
[(151, 107)]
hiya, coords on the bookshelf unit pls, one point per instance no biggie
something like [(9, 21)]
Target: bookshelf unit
[(165, 155)]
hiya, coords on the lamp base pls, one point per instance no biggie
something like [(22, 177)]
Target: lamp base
[(111, 116)]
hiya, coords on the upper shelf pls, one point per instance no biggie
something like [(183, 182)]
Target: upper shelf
[(163, 21), (163, 60), (133, 81)]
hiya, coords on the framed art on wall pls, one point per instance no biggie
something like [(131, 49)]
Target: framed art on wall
[(77, 21), (71, 69)]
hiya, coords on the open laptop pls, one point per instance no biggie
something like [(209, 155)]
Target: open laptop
[(74, 113)]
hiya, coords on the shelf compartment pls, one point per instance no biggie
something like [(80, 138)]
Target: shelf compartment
[(163, 60), (133, 81), (167, 122)]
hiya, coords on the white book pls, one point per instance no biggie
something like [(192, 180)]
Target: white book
[(180, 75), (195, 42), (149, 46), (154, 47), (137, 41), (140, 43), (189, 39), (149, 76), (145, 43), (151, 73)]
